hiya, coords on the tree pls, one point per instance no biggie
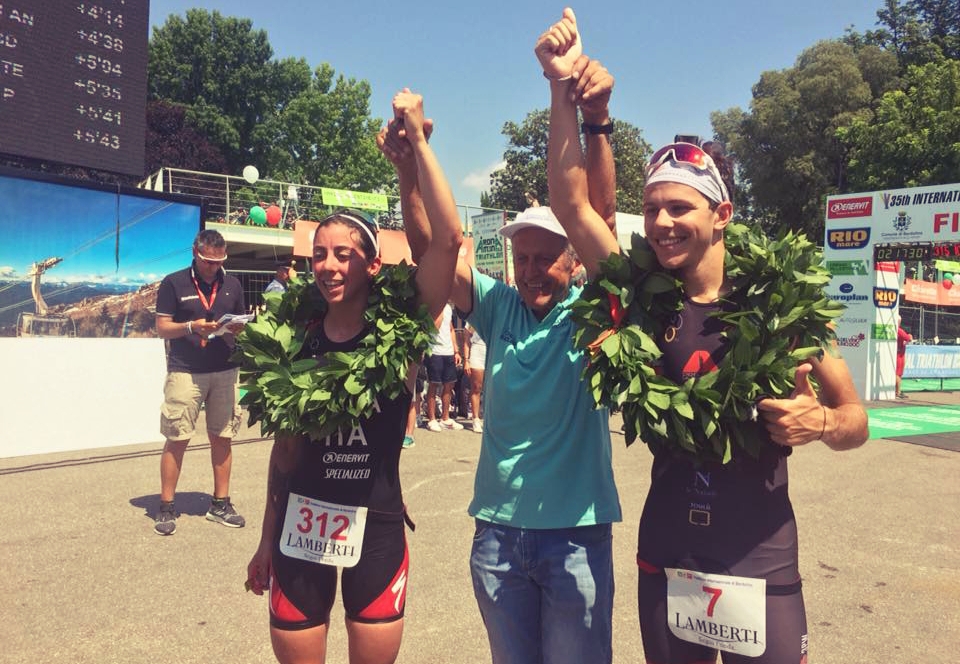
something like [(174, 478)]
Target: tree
[(173, 141), (221, 70), (325, 136), (914, 137), (292, 123), (786, 147), (525, 171)]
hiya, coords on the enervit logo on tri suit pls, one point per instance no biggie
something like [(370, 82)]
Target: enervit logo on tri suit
[(850, 207), (848, 238)]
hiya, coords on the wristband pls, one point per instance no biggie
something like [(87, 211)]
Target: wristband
[(189, 327), (588, 128), (554, 78)]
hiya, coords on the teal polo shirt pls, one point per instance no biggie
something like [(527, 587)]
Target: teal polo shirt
[(545, 459)]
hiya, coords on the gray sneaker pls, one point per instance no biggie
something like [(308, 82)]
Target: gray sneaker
[(165, 522), (221, 511)]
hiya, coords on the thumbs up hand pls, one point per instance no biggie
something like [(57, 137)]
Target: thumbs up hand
[(799, 420)]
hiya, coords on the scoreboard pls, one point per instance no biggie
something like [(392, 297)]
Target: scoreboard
[(73, 82), (916, 251)]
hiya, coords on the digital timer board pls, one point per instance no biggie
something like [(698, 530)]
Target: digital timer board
[(916, 251), (73, 82)]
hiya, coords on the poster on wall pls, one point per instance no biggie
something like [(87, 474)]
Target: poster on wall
[(85, 260), (489, 248)]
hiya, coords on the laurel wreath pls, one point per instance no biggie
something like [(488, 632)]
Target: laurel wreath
[(778, 316), (305, 396)]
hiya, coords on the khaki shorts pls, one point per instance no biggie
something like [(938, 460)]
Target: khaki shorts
[(184, 393)]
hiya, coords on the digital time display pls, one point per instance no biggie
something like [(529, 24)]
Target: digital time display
[(73, 82), (903, 252)]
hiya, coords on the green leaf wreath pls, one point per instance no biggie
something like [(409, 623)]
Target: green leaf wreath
[(288, 393), (779, 316)]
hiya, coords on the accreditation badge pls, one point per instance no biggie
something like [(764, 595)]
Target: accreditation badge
[(321, 532), (727, 613)]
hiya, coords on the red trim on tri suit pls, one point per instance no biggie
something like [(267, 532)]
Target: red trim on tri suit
[(390, 603), (281, 607), (647, 567)]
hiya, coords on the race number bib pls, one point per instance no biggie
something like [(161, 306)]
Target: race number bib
[(723, 612), (324, 533)]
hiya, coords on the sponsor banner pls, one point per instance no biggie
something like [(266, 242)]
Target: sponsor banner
[(898, 228), (927, 292), (887, 266), (932, 362), (933, 195), (885, 298), (844, 208), (947, 266), (847, 268), (848, 238), (883, 332), (489, 248), (853, 341), (355, 199)]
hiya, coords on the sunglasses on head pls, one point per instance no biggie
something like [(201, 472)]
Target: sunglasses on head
[(685, 153)]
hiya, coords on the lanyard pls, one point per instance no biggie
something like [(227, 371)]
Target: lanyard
[(207, 306), (203, 299)]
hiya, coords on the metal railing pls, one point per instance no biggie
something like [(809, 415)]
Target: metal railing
[(229, 199)]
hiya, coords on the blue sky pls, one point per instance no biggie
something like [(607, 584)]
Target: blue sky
[(674, 63)]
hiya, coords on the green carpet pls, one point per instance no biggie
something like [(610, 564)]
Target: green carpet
[(906, 421)]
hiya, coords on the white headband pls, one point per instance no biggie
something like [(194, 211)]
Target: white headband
[(706, 182)]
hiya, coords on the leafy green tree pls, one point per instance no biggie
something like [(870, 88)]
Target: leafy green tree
[(222, 71), (326, 136), (292, 123), (787, 149), (172, 140), (916, 31), (914, 137), (524, 176)]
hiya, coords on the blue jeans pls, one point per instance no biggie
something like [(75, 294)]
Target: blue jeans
[(546, 596)]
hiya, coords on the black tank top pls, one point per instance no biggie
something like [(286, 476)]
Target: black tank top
[(358, 466), (732, 518)]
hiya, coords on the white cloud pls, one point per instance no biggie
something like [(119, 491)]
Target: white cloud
[(7, 271), (479, 180)]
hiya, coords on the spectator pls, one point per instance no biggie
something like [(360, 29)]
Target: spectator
[(286, 270), (474, 360), (442, 364), (903, 338), (199, 373), (544, 494)]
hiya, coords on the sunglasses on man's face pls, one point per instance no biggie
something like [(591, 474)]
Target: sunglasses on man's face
[(211, 261)]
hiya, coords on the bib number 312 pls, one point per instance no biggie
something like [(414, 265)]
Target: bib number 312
[(321, 532)]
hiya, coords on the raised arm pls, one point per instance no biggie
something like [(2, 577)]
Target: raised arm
[(592, 90), (574, 79), (399, 152), (439, 259)]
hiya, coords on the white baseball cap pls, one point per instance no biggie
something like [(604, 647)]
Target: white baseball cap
[(534, 217)]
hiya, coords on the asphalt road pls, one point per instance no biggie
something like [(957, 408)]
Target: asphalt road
[(85, 579)]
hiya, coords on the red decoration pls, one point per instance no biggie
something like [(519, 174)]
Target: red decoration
[(273, 215)]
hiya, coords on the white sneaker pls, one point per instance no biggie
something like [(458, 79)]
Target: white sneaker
[(477, 425), (433, 425), (452, 425)]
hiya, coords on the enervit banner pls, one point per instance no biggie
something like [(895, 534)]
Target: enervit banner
[(855, 223)]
